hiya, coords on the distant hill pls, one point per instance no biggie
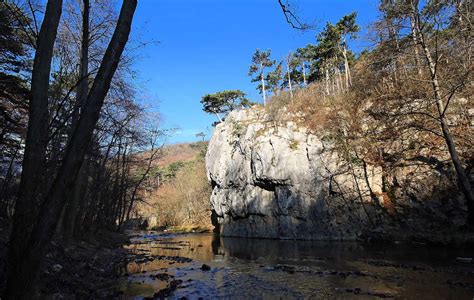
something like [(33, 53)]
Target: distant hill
[(176, 193), (178, 152), (182, 152)]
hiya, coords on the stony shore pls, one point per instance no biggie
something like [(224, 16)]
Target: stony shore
[(84, 269)]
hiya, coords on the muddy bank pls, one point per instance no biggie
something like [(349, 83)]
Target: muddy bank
[(206, 266), (84, 269)]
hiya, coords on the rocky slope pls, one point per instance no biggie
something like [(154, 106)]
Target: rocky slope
[(280, 181)]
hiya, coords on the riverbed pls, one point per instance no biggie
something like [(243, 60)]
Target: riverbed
[(206, 266)]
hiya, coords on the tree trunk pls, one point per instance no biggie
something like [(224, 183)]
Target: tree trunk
[(83, 87), (289, 84), (263, 86), (304, 73), (289, 76), (72, 207), (84, 201), (327, 81), (34, 157), (123, 189), (139, 183), (415, 42), (339, 84), (463, 180), (218, 117), (347, 71), (22, 281)]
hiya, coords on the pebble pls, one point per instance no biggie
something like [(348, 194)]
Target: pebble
[(465, 260), (57, 267)]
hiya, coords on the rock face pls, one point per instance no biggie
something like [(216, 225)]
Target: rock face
[(274, 181), (279, 181)]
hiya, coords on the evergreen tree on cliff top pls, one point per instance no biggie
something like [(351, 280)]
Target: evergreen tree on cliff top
[(221, 103), (347, 28), (260, 61)]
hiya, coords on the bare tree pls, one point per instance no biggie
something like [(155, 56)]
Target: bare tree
[(25, 257), (35, 151), (442, 107)]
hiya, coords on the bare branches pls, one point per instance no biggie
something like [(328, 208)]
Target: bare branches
[(291, 18), (33, 14)]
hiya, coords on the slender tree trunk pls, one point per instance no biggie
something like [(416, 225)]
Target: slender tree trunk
[(347, 71), (356, 182), (82, 90), (110, 210), (85, 201), (263, 86), (359, 192), (304, 73), (333, 84), (22, 282), (289, 83), (339, 84), (327, 81), (373, 196), (393, 36), (34, 157), (219, 117), (140, 182), (415, 44), (463, 180), (72, 207), (288, 61), (123, 190)]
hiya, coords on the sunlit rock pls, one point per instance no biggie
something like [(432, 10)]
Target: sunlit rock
[(274, 181)]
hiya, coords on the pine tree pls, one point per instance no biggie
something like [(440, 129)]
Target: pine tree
[(274, 78), (221, 103), (347, 28), (260, 61)]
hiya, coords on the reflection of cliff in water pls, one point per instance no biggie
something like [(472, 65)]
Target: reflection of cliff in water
[(246, 268), (304, 251), (205, 247)]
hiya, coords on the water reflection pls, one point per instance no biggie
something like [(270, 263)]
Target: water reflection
[(269, 269)]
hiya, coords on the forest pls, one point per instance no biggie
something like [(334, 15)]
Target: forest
[(85, 164)]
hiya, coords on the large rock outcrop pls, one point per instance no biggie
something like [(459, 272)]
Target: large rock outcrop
[(279, 181), (273, 181)]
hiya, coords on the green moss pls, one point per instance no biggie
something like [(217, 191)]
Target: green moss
[(237, 129), (293, 145)]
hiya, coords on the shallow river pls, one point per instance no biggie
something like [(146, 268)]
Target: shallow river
[(270, 269)]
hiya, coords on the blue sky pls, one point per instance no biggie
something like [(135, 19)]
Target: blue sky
[(205, 46)]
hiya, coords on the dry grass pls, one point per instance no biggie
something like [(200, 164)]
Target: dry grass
[(387, 119), (183, 202)]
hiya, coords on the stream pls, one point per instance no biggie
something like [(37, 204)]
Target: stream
[(193, 266)]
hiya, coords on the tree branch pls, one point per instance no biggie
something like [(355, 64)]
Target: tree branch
[(291, 18)]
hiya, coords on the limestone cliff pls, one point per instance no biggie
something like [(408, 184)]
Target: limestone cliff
[(280, 181)]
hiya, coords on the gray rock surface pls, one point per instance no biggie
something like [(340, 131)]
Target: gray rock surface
[(275, 181)]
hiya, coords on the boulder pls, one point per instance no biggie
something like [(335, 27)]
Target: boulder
[(273, 181)]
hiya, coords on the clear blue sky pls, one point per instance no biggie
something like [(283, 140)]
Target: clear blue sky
[(205, 46)]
